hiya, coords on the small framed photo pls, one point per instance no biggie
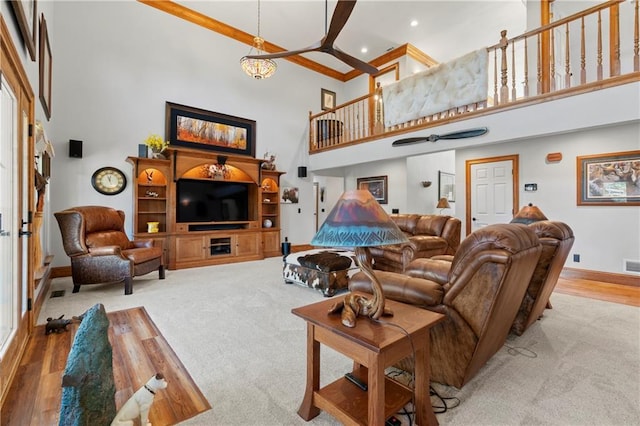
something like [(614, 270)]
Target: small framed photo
[(289, 195), (377, 186), (327, 99), (447, 186), (611, 179), (45, 67)]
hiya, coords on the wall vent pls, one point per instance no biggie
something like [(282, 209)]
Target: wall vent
[(632, 266)]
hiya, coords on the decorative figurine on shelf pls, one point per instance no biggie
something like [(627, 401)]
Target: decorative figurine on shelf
[(152, 194), (137, 407), (149, 173), (269, 162), (217, 171), (57, 325)]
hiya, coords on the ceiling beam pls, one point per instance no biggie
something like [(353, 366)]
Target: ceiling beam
[(219, 27), (227, 30)]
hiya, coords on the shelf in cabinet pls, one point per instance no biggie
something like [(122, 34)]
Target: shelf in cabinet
[(153, 198), (151, 212)]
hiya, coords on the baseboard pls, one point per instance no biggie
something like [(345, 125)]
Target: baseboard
[(607, 277), (584, 274), (301, 247), (44, 282), (61, 271)]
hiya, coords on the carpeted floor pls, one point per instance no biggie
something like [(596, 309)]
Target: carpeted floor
[(232, 327)]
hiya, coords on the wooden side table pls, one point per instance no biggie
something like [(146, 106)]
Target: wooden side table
[(373, 347)]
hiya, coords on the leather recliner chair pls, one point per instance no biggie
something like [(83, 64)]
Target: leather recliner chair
[(100, 251), (556, 239), (479, 292), (428, 235)]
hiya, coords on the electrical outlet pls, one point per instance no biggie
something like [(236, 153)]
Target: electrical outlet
[(576, 258)]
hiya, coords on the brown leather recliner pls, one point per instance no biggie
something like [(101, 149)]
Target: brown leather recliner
[(556, 239), (428, 235), (100, 251), (480, 292)]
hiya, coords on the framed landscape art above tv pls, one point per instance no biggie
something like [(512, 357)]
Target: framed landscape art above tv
[(213, 131)]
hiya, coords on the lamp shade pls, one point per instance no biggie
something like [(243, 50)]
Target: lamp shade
[(443, 203), (357, 220), (529, 214)]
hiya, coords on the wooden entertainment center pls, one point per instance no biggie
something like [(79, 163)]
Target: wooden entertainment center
[(252, 235)]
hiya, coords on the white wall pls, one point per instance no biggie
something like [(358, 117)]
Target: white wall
[(396, 172), (604, 235), (115, 66), (116, 63), (425, 168)]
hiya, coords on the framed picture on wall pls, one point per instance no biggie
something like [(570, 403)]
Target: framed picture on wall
[(377, 186), (27, 17), (201, 129), (327, 99), (45, 69), (611, 179), (289, 195), (447, 186)]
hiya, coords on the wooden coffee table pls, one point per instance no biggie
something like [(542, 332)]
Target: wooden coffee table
[(373, 347)]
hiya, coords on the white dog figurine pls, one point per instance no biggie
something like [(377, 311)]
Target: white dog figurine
[(139, 403)]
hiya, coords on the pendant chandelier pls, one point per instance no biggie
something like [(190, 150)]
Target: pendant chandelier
[(258, 68)]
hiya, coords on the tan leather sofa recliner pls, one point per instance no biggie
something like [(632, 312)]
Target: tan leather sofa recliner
[(428, 235), (479, 292), (100, 251), (556, 239)]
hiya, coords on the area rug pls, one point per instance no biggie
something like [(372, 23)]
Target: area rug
[(232, 327)]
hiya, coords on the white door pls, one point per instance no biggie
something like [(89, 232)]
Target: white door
[(492, 198), (16, 160), (8, 214)]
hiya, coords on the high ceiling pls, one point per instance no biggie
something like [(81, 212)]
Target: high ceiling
[(445, 30)]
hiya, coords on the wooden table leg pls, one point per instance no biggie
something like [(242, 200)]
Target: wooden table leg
[(375, 388), (307, 410), (423, 409)]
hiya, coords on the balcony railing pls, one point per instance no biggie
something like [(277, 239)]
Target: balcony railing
[(590, 50)]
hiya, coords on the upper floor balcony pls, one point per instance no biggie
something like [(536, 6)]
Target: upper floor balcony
[(590, 51)]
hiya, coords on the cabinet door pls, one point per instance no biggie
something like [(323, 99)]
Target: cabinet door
[(191, 248), (271, 243), (248, 244)]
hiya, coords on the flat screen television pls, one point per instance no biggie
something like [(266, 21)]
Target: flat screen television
[(211, 201)]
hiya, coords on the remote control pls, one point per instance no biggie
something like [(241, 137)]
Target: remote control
[(353, 379)]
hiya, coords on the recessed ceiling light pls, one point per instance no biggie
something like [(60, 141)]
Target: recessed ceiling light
[(414, 23), (364, 50)]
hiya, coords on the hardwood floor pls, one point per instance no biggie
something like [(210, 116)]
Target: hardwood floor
[(617, 293), (139, 351), (34, 398)]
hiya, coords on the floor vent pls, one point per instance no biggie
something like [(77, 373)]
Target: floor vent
[(632, 266), (57, 293)]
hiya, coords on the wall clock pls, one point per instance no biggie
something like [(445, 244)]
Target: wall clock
[(108, 181)]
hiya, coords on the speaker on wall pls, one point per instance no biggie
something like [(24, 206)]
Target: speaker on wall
[(75, 148), (302, 171)]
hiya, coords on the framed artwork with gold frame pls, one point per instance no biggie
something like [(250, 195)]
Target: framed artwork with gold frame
[(610, 179)]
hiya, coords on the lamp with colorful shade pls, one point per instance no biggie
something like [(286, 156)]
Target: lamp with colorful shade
[(357, 221), (529, 214)]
